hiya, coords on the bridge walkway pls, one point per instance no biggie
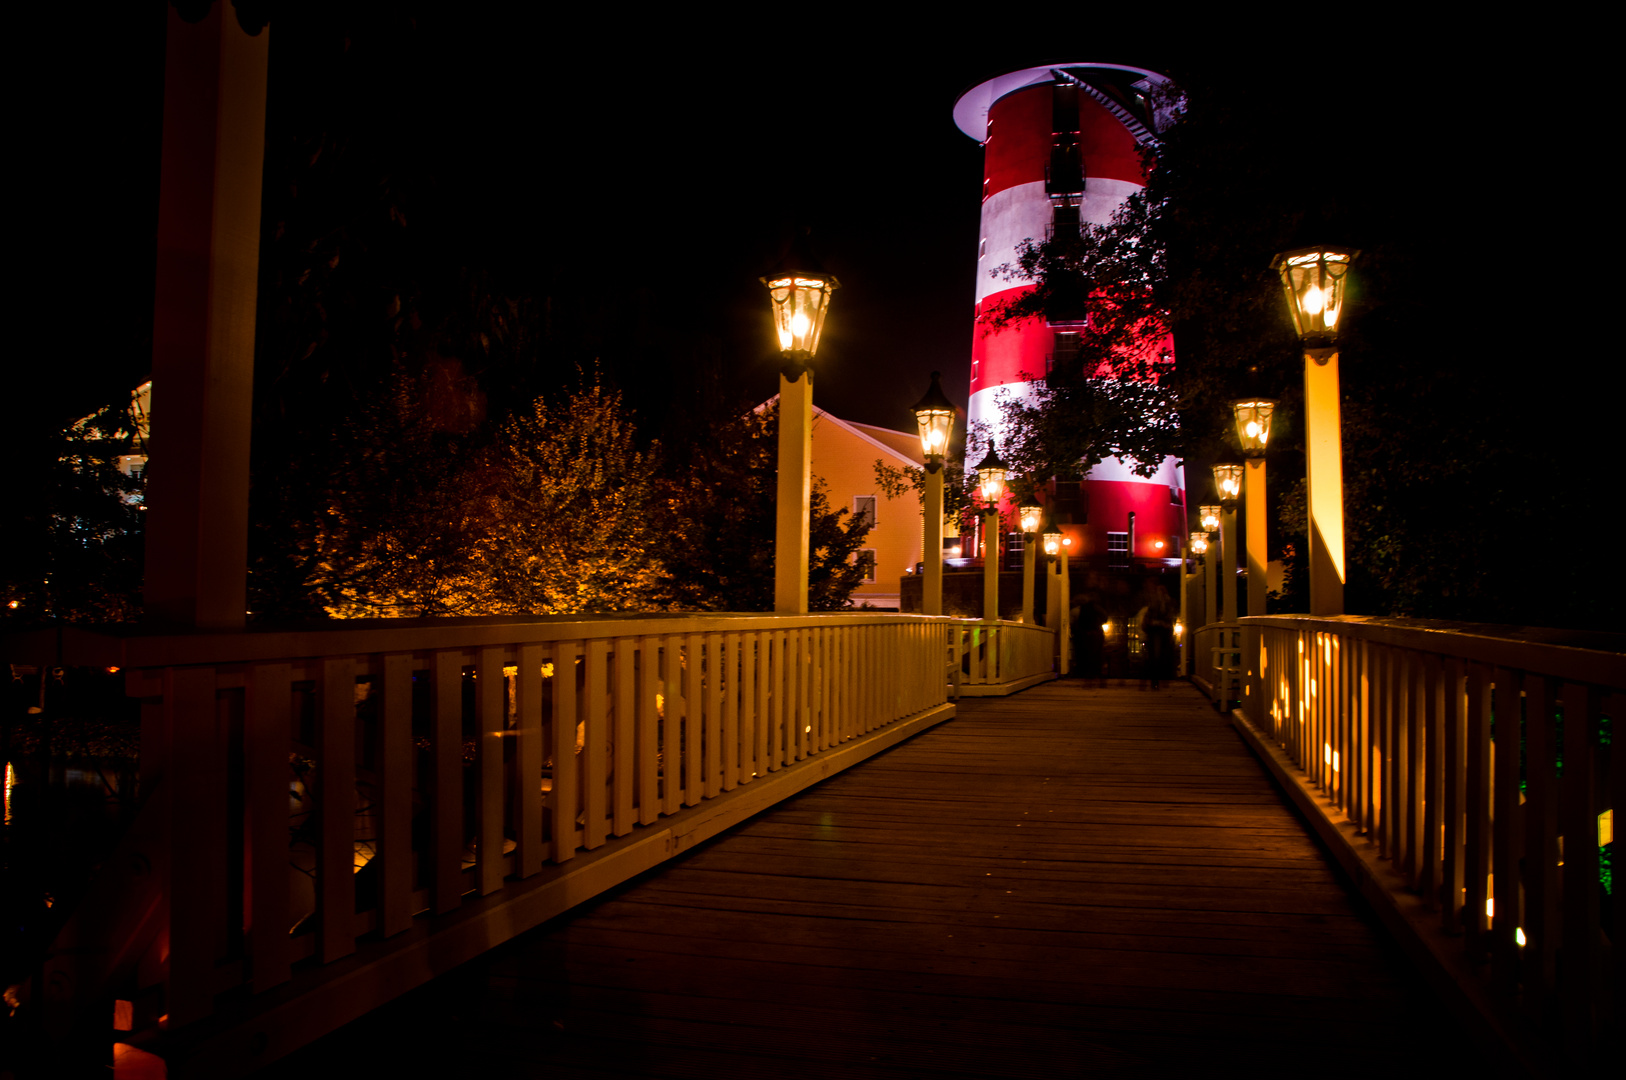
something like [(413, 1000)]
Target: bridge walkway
[(1072, 881)]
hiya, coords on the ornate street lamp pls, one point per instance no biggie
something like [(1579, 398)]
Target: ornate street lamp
[(1210, 517), (1314, 280), (991, 489), (1199, 543), (1052, 542), (1253, 424), (934, 414), (1029, 516), (1228, 479), (1253, 432), (799, 291)]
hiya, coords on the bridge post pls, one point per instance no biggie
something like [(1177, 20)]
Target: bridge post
[(203, 320)]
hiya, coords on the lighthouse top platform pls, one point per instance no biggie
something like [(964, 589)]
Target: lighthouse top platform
[(971, 110)]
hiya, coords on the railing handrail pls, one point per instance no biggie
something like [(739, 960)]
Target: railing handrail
[(1536, 649), (139, 647)]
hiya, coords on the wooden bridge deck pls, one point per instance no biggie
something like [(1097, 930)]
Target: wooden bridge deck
[(1068, 882)]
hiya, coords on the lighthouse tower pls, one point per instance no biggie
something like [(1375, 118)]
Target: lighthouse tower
[(1061, 148)]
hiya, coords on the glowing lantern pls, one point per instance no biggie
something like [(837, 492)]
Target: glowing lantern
[(1029, 516), (1228, 479), (1199, 543), (1253, 423), (1052, 542), (991, 477), (1313, 279), (934, 413), (800, 293), (1210, 516)]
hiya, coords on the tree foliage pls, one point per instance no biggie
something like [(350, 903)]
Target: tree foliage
[(74, 540)]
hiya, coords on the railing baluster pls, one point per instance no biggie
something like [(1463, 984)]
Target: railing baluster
[(595, 732), (1582, 946), (694, 719), (336, 803), (623, 717), (265, 777), (529, 837), (713, 730), (649, 720), (1477, 796), (1540, 845), (730, 680), (672, 729), (1453, 734), (779, 719), (490, 722), (394, 842), (754, 693), (1507, 845), (446, 795), (197, 808), (566, 791), (1433, 777)]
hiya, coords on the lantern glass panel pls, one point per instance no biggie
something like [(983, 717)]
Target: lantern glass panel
[(800, 302), (1030, 518), (1228, 479), (1052, 543), (1253, 423), (935, 428), (1210, 516), (1313, 280), (1199, 543)]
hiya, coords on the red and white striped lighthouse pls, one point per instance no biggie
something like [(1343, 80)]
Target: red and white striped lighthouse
[(1062, 147)]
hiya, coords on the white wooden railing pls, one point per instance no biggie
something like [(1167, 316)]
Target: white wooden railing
[(420, 769), (1477, 763), (996, 658)]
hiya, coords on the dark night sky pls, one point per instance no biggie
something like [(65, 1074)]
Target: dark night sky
[(651, 157)]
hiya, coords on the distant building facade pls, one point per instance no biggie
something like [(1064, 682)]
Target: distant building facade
[(844, 457)]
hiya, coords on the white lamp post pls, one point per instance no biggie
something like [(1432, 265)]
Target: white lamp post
[(1314, 281), (1058, 596), (991, 489), (800, 293), (935, 416)]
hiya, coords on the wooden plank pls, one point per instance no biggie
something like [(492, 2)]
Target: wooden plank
[(650, 701), (594, 756), (783, 714), (566, 795), (446, 790), (751, 697), (1453, 735), (265, 776), (529, 836), (624, 710), (490, 723)]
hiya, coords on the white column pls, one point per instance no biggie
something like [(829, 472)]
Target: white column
[(1324, 469), (795, 493), (990, 565), (931, 593)]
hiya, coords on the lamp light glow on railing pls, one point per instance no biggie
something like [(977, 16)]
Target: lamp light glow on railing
[(1518, 935), (1606, 827)]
